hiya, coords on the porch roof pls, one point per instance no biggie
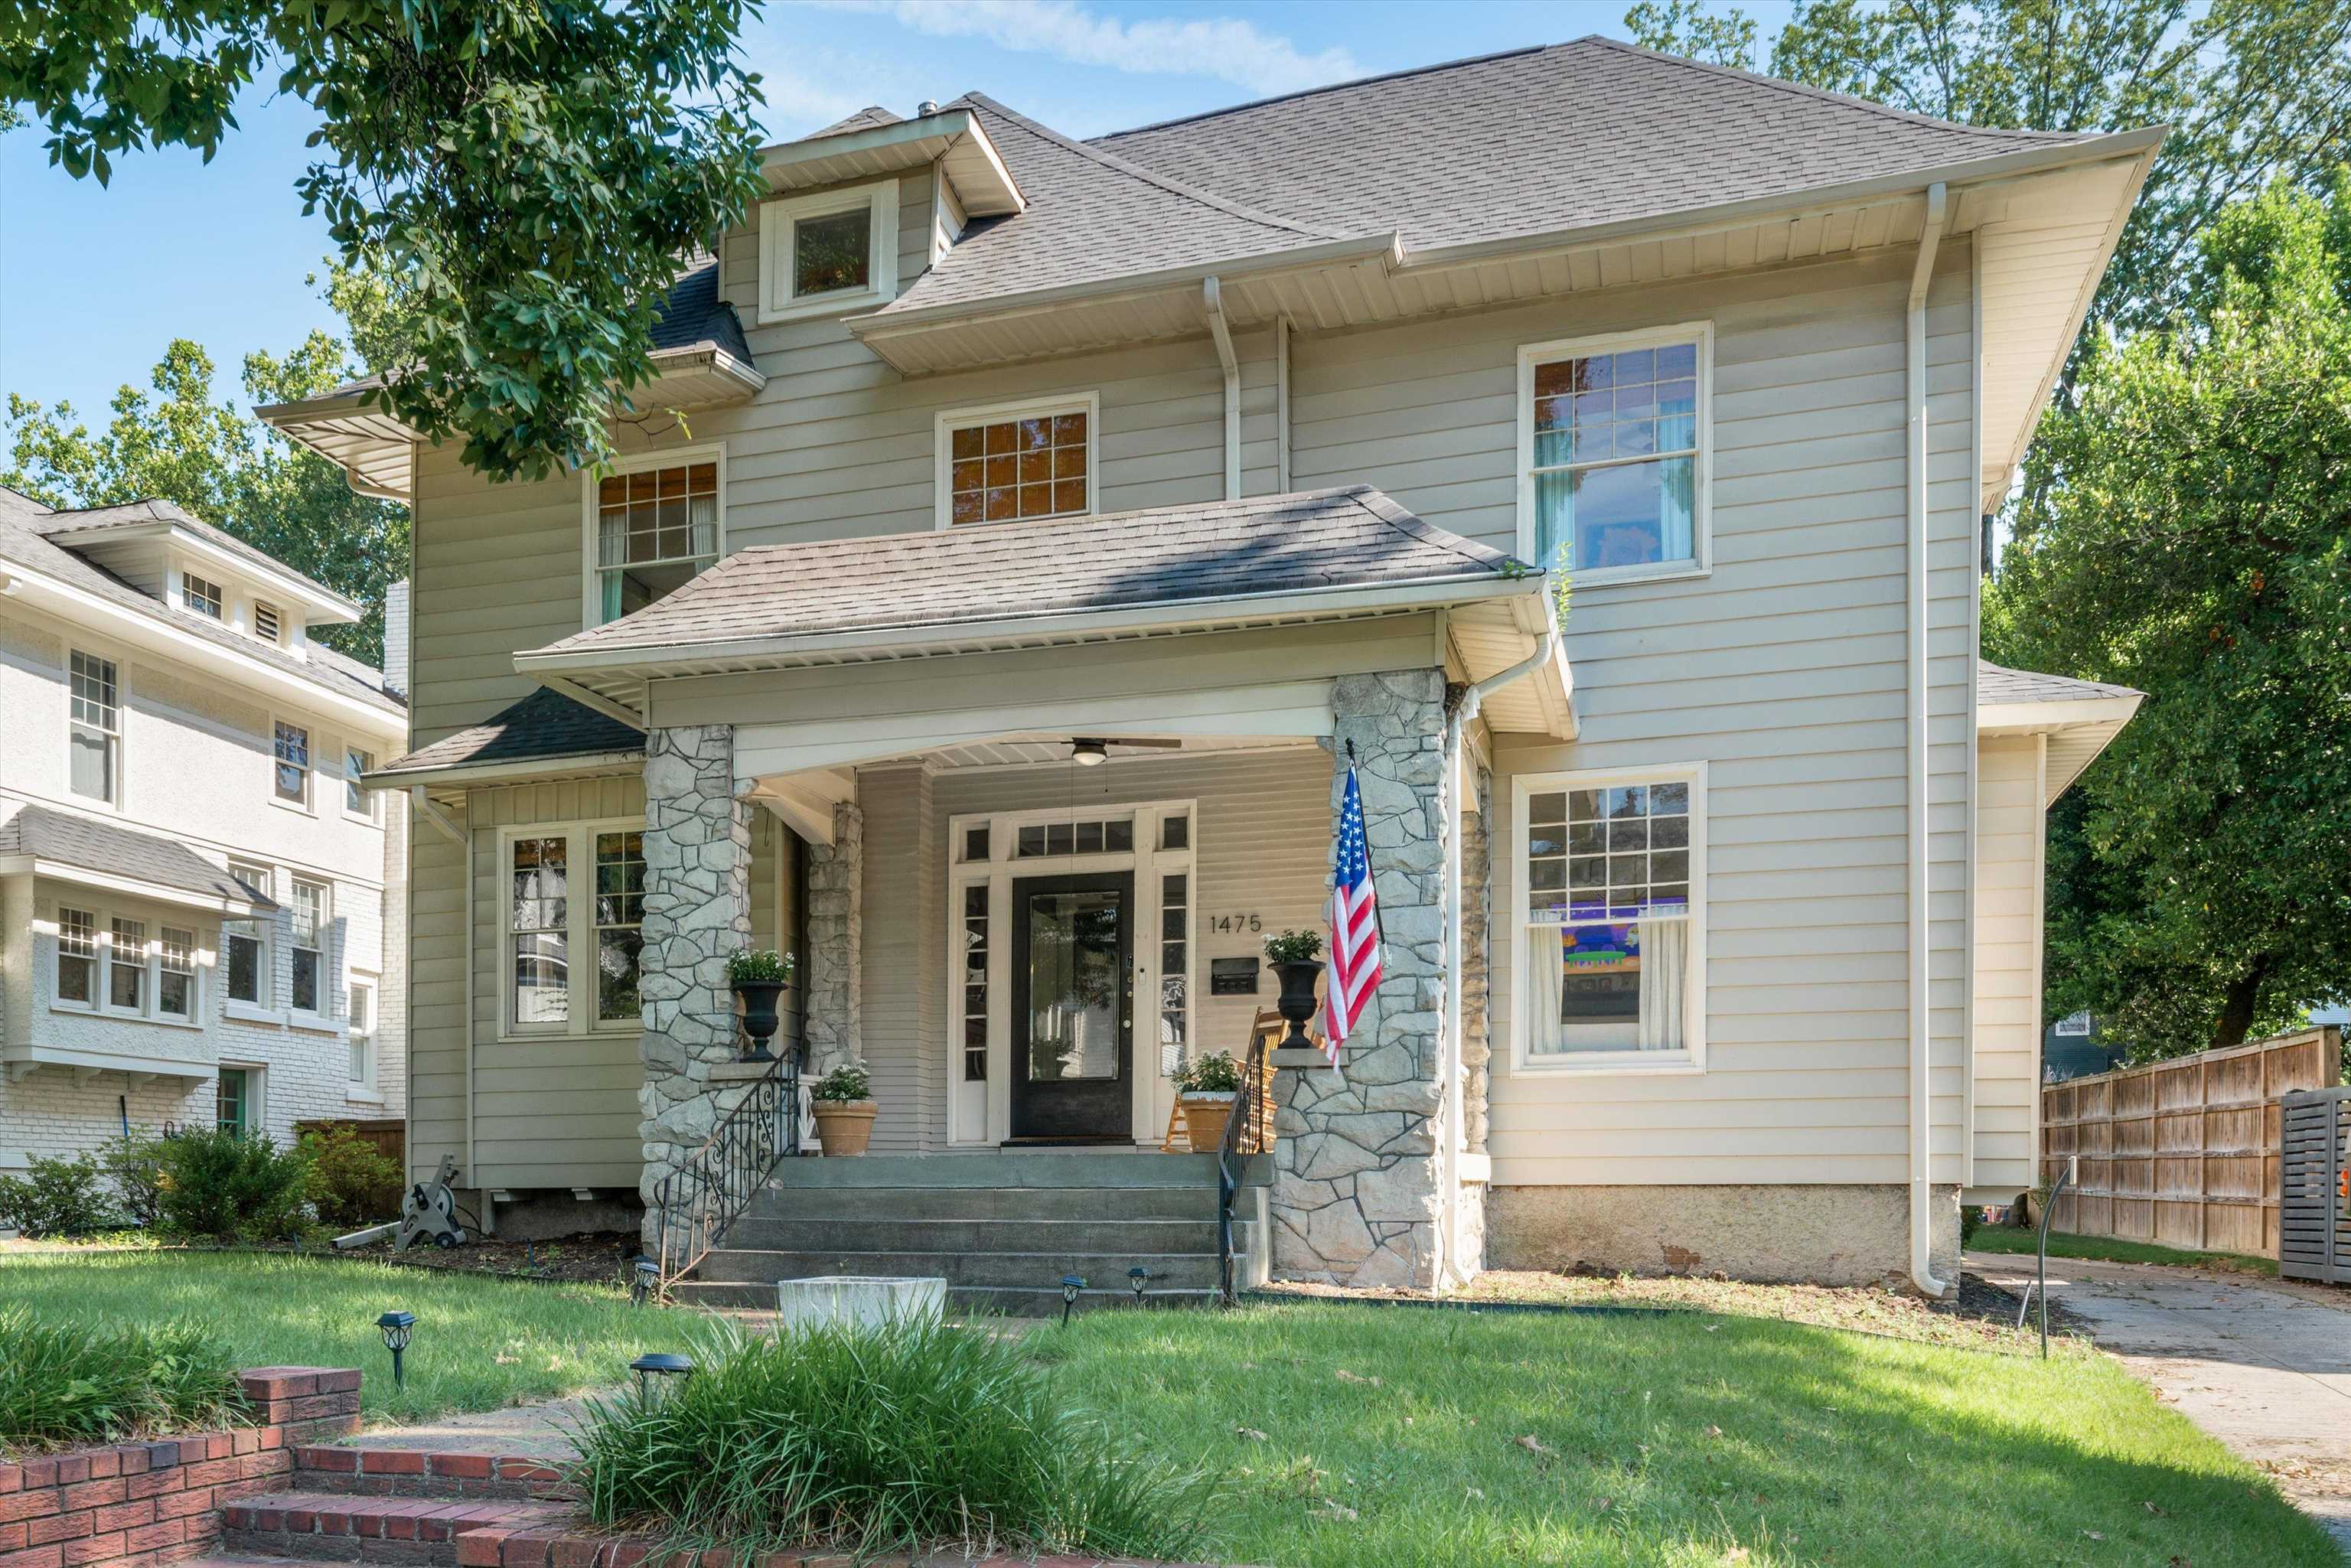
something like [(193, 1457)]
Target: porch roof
[(1303, 554), (545, 728)]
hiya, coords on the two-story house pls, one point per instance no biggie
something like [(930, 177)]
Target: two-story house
[(200, 908), (1055, 520)]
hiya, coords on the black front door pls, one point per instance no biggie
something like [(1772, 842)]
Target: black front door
[(1072, 1008)]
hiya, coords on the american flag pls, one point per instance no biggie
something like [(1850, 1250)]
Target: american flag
[(1353, 971)]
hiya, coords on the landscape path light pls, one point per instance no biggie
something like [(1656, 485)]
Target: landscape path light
[(662, 1365), (396, 1328)]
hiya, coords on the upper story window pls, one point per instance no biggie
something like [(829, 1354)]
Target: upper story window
[(94, 730), (656, 523), (828, 252), (1614, 450), (108, 964), (265, 621), (291, 779), (356, 800), (200, 595), (1016, 461), (1612, 869)]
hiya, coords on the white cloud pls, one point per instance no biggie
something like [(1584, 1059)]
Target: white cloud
[(1221, 47)]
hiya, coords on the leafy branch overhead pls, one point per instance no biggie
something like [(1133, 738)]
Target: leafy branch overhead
[(532, 173)]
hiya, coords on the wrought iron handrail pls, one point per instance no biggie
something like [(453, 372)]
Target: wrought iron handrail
[(701, 1198), (1244, 1136)]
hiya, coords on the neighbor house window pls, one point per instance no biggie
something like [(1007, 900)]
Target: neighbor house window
[(94, 738), (1614, 441), (175, 974), (362, 1034), (548, 921), (245, 943), (1009, 464), (126, 966), (291, 778), (655, 528), (265, 621), (200, 596), (305, 941), (828, 252), (77, 958), (1612, 891), (355, 796)]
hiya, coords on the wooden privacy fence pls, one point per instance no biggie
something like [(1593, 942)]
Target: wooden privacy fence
[(2184, 1152)]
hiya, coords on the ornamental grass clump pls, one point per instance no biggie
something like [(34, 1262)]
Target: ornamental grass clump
[(64, 1381), (913, 1434)]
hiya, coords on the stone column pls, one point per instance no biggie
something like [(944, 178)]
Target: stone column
[(1356, 1194), (835, 973), (1476, 959), (697, 910)]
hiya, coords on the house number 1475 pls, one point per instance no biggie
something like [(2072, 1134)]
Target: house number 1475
[(1228, 924)]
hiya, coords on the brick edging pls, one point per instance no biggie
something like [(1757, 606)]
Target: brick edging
[(143, 1503)]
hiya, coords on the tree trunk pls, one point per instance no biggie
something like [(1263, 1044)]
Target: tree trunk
[(2237, 1007)]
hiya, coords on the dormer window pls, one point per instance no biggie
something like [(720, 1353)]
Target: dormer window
[(828, 253), (199, 596), (265, 621)]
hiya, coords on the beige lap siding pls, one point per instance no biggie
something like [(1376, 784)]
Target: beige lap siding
[(2010, 830)]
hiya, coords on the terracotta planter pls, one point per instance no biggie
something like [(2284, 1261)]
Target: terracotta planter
[(844, 1126), (1205, 1116)]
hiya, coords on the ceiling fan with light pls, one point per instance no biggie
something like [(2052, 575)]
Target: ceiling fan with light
[(1089, 751)]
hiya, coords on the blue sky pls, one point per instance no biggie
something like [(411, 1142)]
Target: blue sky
[(94, 282)]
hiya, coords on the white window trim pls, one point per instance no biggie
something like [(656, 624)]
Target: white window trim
[(121, 728), (1154, 1095), (103, 916), (178, 592), (579, 931), (322, 1018), (590, 599), (1702, 502), (266, 1011), (778, 230), (369, 811), (368, 1090), (1609, 1063), (308, 804), (951, 420)]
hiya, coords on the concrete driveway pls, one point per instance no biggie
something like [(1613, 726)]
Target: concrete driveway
[(2263, 1364)]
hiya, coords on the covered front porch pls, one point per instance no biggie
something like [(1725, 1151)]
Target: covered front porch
[(1040, 853)]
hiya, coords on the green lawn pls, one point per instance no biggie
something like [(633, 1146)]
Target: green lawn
[(2106, 1250), (479, 1344), (1669, 1441)]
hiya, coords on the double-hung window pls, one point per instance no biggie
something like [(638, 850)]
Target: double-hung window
[(1017, 462), (200, 595), (307, 943), (76, 980), (291, 779), (245, 943), (1615, 451), (126, 966), (830, 252), (94, 734), (1611, 912), (363, 1035), (655, 525), (573, 949), (175, 974), (356, 799), (118, 966)]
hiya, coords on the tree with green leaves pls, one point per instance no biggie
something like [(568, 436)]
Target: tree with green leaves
[(531, 171), (2199, 549), (174, 442)]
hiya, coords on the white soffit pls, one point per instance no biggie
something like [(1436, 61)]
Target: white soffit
[(952, 136)]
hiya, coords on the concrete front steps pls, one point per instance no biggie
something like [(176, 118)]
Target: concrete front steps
[(1001, 1227)]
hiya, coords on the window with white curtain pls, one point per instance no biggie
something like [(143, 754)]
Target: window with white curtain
[(574, 909), (1614, 443), (1611, 896), (655, 526)]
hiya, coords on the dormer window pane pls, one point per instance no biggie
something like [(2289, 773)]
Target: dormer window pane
[(833, 253), (203, 597)]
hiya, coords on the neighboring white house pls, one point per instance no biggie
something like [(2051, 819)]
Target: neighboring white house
[(200, 910)]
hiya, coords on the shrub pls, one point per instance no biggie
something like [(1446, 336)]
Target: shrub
[(135, 1162), (352, 1182), (878, 1439), (1218, 1075), (742, 968), (232, 1186), (58, 1197), (849, 1081), (1971, 1221), (1292, 946), (65, 1382)]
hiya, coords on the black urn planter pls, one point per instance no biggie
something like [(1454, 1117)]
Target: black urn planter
[(759, 1015), (1296, 1002)]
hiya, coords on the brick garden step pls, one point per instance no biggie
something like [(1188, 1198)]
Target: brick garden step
[(436, 1473), (337, 1527)]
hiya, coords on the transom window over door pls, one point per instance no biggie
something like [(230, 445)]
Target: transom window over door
[(1611, 874), (1614, 436), (655, 528), (1016, 463)]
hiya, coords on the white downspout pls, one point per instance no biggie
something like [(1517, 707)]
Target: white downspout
[(1448, 1154), (1922, 1206), (1213, 299)]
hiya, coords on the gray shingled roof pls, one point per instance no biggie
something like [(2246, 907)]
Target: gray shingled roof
[(60, 836), (1998, 683), (871, 117), (543, 724), (1572, 135), (23, 539), (1304, 542), (153, 510)]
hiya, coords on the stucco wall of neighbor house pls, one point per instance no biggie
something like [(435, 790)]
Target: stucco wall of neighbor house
[(196, 767), (1817, 1233)]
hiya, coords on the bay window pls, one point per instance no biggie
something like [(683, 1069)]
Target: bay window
[(76, 980), (1615, 449), (549, 923), (118, 966), (1611, 899)]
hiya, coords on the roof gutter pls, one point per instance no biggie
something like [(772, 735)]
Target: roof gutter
[(1212, 299), (1922, 1206)]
